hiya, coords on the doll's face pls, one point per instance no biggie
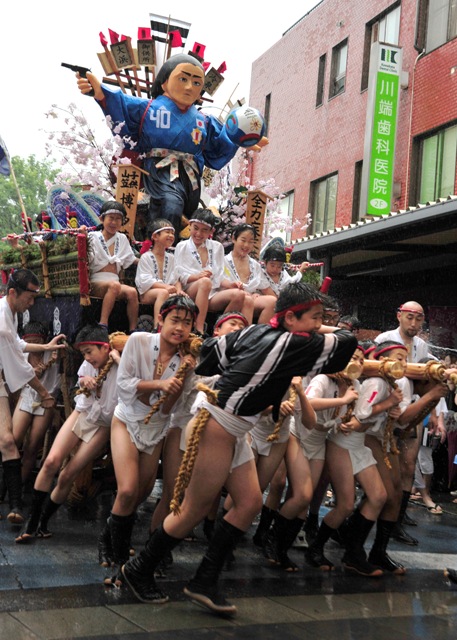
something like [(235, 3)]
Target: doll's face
[(184, 85)]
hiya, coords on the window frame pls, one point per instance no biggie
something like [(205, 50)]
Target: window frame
[(321, 80), (314, 186), (370, 28), (418, 158), (340, 76)]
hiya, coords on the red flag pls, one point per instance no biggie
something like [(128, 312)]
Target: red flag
[(222, 68), (124, 38), (175, 38), (144, 33), (199, 49), (103, 40), (206, 66), (113, 36)]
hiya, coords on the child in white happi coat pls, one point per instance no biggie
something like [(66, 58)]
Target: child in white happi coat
[(109, 252), (347, 458), (148, 374), (156, 278), (199, 264), (87, 426), (274, 271), (246, 274)]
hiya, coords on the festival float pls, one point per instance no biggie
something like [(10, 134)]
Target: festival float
[(57, 250)]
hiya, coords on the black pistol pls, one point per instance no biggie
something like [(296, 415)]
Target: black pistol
[(82, 72)]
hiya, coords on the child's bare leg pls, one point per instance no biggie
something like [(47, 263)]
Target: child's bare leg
[(248, 307), (171, 460), (199, 292), (156, 298), (265, 307), (227, 300), (37, 433), (109, 291), (130, 294)]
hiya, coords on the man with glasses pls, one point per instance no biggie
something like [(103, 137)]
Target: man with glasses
[(15, 371)]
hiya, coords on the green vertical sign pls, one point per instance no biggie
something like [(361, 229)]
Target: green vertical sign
[(384, 88)]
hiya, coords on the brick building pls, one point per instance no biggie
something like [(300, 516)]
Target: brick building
[(312, 86)]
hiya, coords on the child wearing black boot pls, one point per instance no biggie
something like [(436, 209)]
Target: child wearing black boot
[(87, 426), (256, 366)]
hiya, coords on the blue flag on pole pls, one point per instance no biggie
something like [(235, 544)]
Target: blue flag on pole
[(5, 168)]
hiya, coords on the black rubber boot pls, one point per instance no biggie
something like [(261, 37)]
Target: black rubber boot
[(121, 532), (105, 551), (139, 571), (404, 505), (279, 540), (400, 535), (311, 527), (355, 558), (208, 528), (314, 554), (203, 588), (3, 490), (38, 498), (266, 518), (378, 554), (13, 482), (49, 509)]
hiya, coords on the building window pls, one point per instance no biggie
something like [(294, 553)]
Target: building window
[(436, 23), (266, 113), (320, 80), (384, 28), (436, 169), (323, 203), (338, 72), (286, 207)]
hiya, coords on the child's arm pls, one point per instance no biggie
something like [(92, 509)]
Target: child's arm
[(49, 346), (436, 392), (367, 408), (308, 415), (319, 404)]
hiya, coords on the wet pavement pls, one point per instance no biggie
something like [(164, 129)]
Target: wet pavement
[(53, 588)]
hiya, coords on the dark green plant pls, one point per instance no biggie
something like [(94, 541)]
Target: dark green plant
[(61, 245)]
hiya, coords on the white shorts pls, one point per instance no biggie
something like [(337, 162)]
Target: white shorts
[(313, 444), (360, 455), (104, 276), (86, 430), (238, 428), (263, 429), (145, 437), (27, 399)]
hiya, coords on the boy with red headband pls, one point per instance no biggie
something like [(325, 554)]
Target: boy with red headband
[(376, 404), (87, 426), (256, 365)]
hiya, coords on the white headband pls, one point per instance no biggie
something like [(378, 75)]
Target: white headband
[(201, 222), (163, 229), (105, 213)]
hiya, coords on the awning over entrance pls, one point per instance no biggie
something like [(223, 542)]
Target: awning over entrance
[(420, 239)]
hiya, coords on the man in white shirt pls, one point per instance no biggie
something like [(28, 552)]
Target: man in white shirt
[(410, 316), (15, 371)]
